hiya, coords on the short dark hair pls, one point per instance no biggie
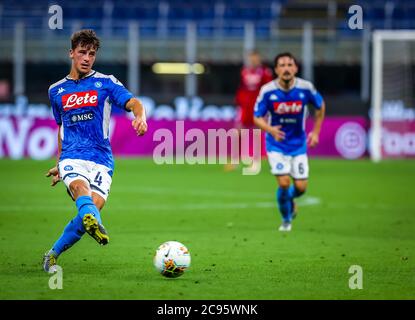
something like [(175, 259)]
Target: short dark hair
[(86, 37), (284, 54)]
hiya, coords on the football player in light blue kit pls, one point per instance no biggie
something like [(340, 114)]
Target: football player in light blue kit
[(81, 104), (284, 100)]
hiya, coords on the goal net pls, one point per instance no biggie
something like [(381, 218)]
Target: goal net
[(393, 95)]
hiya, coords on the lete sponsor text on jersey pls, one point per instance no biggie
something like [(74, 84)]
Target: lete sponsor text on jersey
[(288, 107), (77, 100)]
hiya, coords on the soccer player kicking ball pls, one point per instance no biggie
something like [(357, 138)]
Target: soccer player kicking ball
[(81, 104), (284, 100)]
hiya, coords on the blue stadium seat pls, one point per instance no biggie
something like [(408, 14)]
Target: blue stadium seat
[(179, 11)]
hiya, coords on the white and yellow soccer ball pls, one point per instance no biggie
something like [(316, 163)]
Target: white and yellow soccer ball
[(172, 258)]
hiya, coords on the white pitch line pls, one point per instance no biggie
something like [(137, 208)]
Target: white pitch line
[(307, 201), (302, 202)]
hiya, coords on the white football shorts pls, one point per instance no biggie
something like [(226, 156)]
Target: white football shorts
[(295, 166), (97, 176)]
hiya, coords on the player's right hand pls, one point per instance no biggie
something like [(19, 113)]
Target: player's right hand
[(54, 172), (140, 125), (278, 134)]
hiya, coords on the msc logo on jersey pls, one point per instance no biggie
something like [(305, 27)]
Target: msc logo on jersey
[(288, 107), (78, 100), (82, 117)]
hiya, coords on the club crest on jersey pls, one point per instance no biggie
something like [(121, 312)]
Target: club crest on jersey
[(98, 84), (78, 100), (288, 107)]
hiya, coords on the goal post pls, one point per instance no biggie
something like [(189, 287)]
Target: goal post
[(393, 82)]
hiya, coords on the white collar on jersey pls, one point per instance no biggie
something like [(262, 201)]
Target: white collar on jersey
[(85, 76), (283, 89)]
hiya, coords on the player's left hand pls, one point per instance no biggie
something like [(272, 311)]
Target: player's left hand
[(140, 126), (54, 172), (312, 139)]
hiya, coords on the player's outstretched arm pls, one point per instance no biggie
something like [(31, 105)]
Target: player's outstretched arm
[(275, 131), (140, 122), (313, 136), (54, 172)]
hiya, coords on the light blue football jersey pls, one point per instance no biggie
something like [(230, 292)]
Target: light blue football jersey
[(288, 109), (82, 108)]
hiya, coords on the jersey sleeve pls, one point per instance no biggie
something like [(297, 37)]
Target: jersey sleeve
[(55, 109), (119, 95), (315, 97), (261, 107)]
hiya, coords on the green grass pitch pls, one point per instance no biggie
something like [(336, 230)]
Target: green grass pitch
[(354, 213)]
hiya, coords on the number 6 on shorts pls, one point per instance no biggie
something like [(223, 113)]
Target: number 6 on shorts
[(299, 168)]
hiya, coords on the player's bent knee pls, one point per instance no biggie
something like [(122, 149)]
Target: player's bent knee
[(284, 184), (301, 191), (79, 188), (300, 186), (284, 181)]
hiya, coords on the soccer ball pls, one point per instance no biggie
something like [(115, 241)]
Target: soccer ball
[(171, 259)]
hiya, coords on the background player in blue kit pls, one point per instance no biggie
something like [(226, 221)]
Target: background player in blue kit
[(284, 100), (81, 104)]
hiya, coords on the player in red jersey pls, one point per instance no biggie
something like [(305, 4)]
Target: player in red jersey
[(252, 77)]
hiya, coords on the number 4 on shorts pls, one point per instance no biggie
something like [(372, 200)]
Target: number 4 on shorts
[(98, 179)]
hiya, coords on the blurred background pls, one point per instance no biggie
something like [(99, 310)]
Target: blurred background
[(214, 36)]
